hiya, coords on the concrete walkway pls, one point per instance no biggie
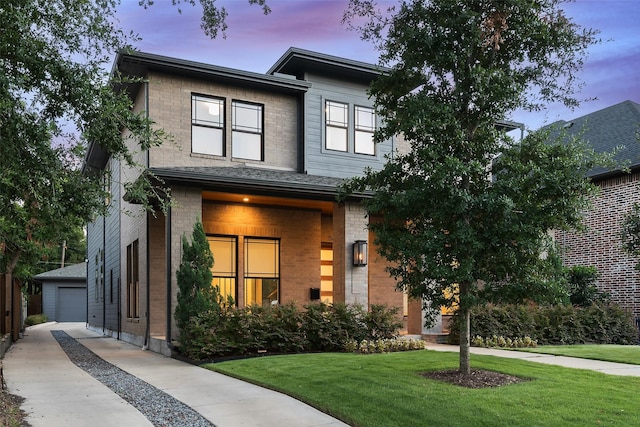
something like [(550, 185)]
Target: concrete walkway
[(610, 368), (59, 394)]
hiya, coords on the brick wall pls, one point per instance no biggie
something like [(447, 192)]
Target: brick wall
[(382, 287), (157, 276), (599, 245), (170, 108), (300, 242), (187, 209)]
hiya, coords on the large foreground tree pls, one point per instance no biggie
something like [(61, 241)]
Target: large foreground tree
[(468, 205), (54, 57)]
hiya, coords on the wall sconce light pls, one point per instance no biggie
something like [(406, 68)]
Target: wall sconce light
[(360, 253)]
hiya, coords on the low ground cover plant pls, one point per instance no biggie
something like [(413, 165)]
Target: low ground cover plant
[(36, 319)]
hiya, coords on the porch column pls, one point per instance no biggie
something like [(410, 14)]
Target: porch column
[(356, 278)]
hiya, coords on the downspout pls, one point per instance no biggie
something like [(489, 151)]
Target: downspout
[(119, 303), (103, 270), (119, 306), (86, 266), (168, 267), (302, 163), (147, 333)]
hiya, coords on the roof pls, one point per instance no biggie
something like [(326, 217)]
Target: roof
[(614, 127), (139, 63), (255, 180), (72, 272), (297, 61)]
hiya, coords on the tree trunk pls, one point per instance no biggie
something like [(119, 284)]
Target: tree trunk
[(465, 330), (465, 340)]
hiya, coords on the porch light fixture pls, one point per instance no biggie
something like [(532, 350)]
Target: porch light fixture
[(360, 253)]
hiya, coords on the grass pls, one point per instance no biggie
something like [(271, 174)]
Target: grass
[(609, 352), (388, 390), (10, 413)]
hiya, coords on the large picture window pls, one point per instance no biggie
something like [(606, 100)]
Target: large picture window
[(133, 281), (224, 251), (246, 136), (261, 271), (207, 125), (336, 125), (365, 126)]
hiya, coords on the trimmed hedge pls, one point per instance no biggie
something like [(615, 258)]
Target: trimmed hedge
[(557, 324), (230, 331)]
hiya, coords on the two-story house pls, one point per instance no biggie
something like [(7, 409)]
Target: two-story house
[(257, 158)]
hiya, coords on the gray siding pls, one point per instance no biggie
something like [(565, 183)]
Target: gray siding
[(49, 300), (94, 251), (318, 160), (103, 253), (112, 259)]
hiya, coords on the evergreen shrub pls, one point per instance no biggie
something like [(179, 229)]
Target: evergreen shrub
[(599, 323), (285, 328)]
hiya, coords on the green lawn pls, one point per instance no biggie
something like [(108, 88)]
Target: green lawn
[(388, 390), (609, 352)]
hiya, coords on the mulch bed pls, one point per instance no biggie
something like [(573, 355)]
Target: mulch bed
[(478, 378)]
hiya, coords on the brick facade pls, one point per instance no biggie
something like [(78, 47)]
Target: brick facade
[(599, 245), (299, 232), (170, 105)]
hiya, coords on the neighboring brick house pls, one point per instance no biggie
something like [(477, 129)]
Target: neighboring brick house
[(256, 157), (615, 127)]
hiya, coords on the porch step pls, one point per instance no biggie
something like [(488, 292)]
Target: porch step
[(436, 338)]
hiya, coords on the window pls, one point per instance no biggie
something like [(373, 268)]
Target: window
[(207, 125), (246, 136), (337, 125), (261, 271), (365, 125), (224, 265), (326, 273), (133, 282)]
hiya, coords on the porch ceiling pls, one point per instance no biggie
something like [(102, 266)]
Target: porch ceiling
[(252, 199)]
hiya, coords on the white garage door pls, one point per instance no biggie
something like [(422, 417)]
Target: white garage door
[(72, 305)]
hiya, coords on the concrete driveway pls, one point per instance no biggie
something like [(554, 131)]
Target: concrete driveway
[(59, 393)]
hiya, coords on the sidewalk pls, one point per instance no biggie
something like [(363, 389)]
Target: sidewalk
[(58, 393), (610, 368)]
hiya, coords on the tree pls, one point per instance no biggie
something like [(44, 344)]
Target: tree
[(214, 18), (630, 232), (467, 205), (53, 56), (195, 292)]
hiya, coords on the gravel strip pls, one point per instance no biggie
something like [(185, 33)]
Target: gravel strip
[(159, 408)]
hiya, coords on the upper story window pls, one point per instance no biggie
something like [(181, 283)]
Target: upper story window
[(349, 129), (207, 125), (337, 125), (365, 126), (246, 136)]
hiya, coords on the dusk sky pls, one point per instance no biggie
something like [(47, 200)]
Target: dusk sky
[(255, 41)]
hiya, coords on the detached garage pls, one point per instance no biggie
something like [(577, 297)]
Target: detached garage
[(64, 293)]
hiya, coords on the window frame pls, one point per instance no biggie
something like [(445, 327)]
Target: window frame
[(247, 130), (247, 274), (222, 103), (364, 129), (133, 280), (328, 123), (234, 274)]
